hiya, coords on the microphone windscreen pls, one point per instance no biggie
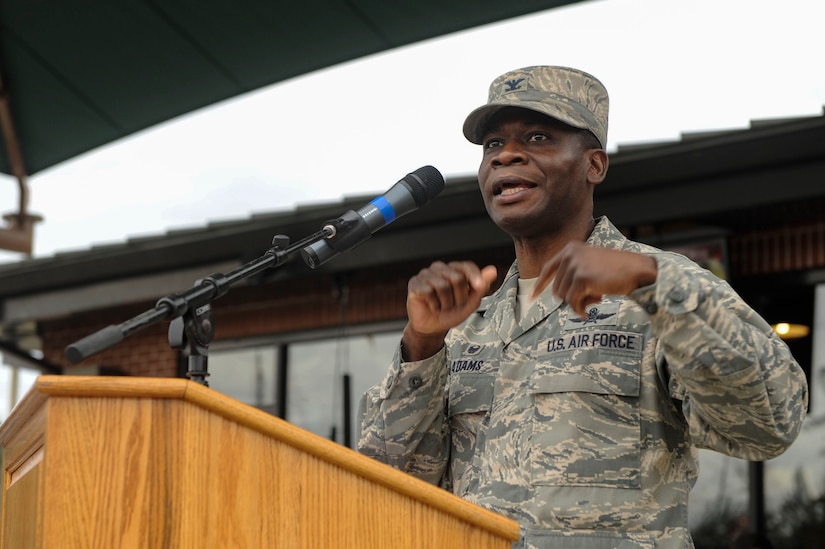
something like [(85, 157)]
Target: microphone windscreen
[(424, 183)]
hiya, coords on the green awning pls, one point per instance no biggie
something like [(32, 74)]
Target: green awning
[(78, 74)]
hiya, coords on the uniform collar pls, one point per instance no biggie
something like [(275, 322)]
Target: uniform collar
[(500, 307)]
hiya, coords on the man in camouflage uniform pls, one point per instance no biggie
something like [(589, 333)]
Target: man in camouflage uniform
[(572, 399)]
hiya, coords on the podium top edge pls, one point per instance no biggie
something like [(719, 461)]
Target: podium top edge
[(103, 386)]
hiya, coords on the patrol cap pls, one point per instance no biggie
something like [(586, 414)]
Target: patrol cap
[(569, 95)]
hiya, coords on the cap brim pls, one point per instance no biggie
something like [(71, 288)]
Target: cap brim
[(475, 124), (476, 121)]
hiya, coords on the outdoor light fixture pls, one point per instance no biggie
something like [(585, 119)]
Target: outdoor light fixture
[(786, 330)]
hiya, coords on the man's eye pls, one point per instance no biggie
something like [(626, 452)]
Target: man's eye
[(538, 136), (492, 143)]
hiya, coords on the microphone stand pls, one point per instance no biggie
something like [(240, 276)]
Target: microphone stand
[(191, 311)]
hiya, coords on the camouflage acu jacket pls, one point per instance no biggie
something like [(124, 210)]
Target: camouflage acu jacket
[(584, 430)]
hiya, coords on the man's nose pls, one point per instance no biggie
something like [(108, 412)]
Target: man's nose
[(510, 153)]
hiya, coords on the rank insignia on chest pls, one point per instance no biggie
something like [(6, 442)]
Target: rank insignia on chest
[(601, 314)]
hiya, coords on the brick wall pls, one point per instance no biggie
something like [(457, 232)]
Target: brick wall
[(787, 248), (145, 353)]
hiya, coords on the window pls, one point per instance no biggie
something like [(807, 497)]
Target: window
[(15, 382), (325, 378), (248, 375), (315, 390)]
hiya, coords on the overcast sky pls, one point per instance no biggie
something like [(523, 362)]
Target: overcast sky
[(670, 66)]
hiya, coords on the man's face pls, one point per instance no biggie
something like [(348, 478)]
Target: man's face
[(535, 175)]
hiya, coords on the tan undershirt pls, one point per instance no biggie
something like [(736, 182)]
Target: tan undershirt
[(525, 286)]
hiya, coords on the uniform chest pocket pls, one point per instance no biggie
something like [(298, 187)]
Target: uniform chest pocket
[(470, 393), (586, 424)]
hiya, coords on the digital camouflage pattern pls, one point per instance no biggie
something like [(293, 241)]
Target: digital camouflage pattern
[(584, 430), (569, 95)]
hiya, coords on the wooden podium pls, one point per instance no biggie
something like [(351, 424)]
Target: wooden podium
[(118, 462)]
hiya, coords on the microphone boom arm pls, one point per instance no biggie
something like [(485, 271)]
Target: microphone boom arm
[(191, 309)]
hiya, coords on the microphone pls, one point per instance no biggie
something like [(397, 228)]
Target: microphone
[(355, 227)]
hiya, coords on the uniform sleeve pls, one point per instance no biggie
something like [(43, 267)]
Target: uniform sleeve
[(742, 392), (402, 419)]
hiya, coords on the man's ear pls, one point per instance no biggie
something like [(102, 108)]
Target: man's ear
[(597, 170)]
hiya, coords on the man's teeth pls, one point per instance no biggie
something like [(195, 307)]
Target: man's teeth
[(511, 190)]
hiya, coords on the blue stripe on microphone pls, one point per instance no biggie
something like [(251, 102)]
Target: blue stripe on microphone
[(385, 208)]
